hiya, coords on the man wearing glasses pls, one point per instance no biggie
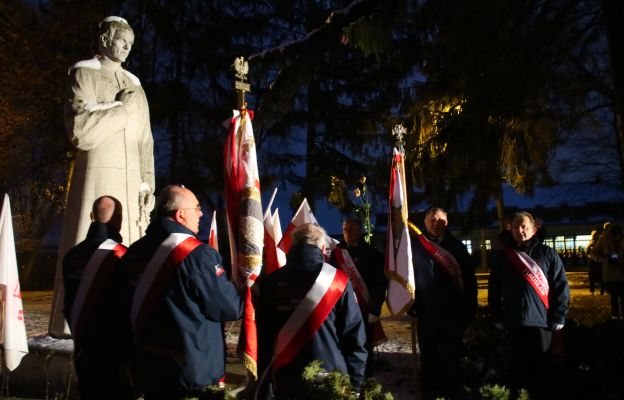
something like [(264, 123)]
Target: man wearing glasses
[(177, 294)]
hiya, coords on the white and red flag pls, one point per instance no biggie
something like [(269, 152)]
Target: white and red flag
[(303, 215), (274, 257), (399, 268), (14, 338), (213, 238), (245, 227)]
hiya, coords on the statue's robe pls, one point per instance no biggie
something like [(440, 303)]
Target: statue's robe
[(114, 157)]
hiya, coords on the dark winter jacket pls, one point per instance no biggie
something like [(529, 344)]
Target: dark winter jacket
[(339, 342), (513, 300), (370, 264), (181, 348), (96, 338), (437, 297)]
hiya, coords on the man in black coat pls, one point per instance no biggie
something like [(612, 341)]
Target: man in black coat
[(445, 304), (177, 294), (88, 305), (370, 267), (529, 296), (281, 298)]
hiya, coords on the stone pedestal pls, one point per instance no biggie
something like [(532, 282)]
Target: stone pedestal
[(46, 371)]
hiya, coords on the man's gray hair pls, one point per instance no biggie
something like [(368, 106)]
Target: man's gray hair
[(309, 234), (168, 201)]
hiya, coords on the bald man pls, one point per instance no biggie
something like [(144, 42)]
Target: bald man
[(177, 294), (88, 306)]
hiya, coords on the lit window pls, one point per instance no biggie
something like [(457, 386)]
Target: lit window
[(559, 243), (582, 241), (468, 244)]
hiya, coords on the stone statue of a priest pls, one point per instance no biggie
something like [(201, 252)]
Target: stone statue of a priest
[(107, 121)]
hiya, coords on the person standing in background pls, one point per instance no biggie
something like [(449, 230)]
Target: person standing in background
[(528, 295), (445, 304)]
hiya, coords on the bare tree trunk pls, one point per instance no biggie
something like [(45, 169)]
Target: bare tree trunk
[(613, 17), (309, 184), (500, 207), (175, 118), (484, 252)]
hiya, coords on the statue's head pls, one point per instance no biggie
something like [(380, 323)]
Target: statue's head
[(115, 38)]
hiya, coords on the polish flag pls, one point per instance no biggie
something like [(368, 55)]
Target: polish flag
[(213, 239), (14, 338), (302, 216), (274, 257)]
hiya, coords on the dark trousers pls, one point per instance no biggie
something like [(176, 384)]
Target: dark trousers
[(440, 343), (616, 291), (595, 276), (99, 379), (531, 365), (369, 372)]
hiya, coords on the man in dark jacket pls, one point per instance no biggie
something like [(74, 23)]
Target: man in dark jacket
[(177, 296), (88, 305), (445, 304), (288, 338), (529, 295), (369, 282)]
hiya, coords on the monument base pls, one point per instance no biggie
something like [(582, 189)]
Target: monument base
[(46, 372)]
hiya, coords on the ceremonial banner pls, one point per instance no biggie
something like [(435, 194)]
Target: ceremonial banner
[(245, 226), (303, 215), (213, 238), (398, 263), (14, 338)]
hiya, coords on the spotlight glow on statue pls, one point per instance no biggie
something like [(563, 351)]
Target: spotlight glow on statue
[(107, 121)]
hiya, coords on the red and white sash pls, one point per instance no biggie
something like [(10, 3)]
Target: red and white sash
[(376, 334), (155, 278), (309, 315), (95, 278), (346, 264), (445, 259), (530, 271)]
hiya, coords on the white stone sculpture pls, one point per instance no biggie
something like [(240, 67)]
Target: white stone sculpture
[(107, 121)]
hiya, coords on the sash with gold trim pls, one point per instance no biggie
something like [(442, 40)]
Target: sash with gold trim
[(530, 271), (155, 278), (443, 258), (308, 317), (96, 277), (346, 264)]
